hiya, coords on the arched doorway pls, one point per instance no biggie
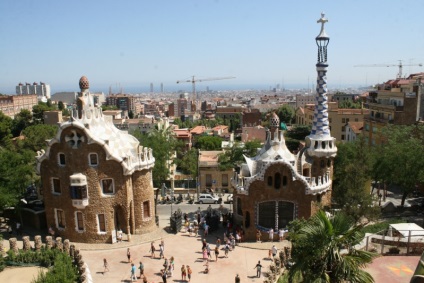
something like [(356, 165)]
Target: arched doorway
[(275, 214)]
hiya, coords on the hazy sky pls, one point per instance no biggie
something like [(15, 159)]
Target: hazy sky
[(134, 43)]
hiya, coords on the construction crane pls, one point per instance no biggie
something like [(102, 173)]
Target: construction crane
[(193, 82), (400, 65)]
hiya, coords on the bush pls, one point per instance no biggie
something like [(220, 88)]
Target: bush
[(378, 227), (63, 271)]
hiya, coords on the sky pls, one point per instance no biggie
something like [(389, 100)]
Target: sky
[(130, 44)]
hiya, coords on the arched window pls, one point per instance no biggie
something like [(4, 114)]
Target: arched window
[(269, 181), (323, 144), (277, 182), (284, 181)]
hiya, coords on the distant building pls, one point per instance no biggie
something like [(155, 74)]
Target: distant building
[(124, 102), (251, 117), (398, 102), (11, 105), (211, 178), (338, 117), (42, 90), (353, 130), (53, 117), (253, 133), (69, 97)]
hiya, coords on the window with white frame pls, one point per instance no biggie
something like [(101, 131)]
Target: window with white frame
[(60, 219), (101, 221), (56, 186), (79, 221), (61, 160), (108, 186), (93, 159)]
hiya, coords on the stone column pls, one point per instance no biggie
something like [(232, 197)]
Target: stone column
[(37, 243), (25, 243), (66, 246), (49, 242), (13, 244), (59, 244)]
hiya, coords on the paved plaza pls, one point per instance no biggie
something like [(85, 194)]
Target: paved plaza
[(186, 250)]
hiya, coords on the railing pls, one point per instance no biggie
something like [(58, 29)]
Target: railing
[(382, 243)]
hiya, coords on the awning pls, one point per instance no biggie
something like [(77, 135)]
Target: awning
[(406, 228)]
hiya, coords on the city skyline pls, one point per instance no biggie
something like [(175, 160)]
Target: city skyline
[(130, 44)]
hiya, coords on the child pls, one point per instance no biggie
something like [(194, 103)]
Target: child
[(105, 265)]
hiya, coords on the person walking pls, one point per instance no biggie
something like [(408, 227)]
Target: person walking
[(227, 248), (205, 254), (258, 269), (172, 262), (271, 235), (216, 253), (105, 265), (237, 279), (161, 251), (129, 255), (141, 267), (183, 273), (133, 277), (189, 272), (152, 249), (163, 274), (208, 249)]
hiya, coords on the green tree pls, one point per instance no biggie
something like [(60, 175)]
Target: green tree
[(352, 168), (5, 130), (63, 271), (22, 120), (163, 144), (286, 114), (189, 162), (299, 132), (16, 172), (296, 135), (109, 107), (131, 114), (349, 104), (209, 143), (38, 111), (317, 254), (401, 157), (36, 136), (234, 156), (60, 106)]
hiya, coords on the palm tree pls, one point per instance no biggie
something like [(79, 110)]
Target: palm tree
[(323, 251)]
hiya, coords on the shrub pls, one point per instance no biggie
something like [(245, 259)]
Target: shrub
[(63, 271)]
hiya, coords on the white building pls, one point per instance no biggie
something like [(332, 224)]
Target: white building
[(42, 90)]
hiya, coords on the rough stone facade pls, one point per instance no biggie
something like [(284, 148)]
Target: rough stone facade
[(276, 186), (95, 185)]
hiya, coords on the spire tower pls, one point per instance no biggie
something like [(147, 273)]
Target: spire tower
[(320, 143)]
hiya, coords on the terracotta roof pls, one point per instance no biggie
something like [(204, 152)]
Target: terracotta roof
[(220, 127), (198, 130), (356, 126)]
